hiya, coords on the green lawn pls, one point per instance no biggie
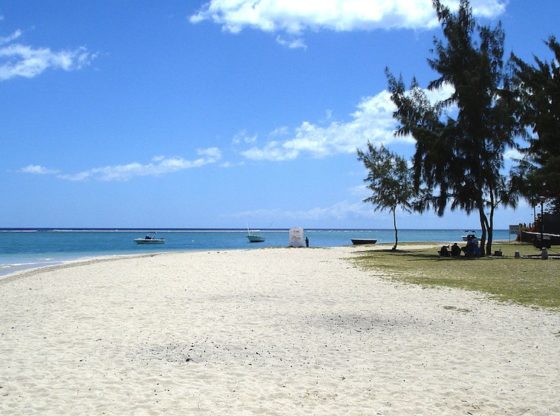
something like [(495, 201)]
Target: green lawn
[(525, 281)]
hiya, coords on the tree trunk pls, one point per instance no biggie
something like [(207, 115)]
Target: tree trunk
[(489, 242), (490, 232), (395, 225), (491, 223), (484, 227)]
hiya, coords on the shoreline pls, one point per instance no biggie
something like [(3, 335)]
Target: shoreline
[(82, 261), (30, 250), (87, 259), (95, 259)]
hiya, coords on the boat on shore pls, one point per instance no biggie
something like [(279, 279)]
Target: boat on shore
[(149, 239), (363, 241)]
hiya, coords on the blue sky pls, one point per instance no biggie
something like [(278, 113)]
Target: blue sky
[(222, 113)]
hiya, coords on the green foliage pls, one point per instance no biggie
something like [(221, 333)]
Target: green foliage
[(388, 178), (389, 181), (537, 91), (460, 141)]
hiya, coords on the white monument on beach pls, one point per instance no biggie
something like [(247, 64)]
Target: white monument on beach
[(297, 237)]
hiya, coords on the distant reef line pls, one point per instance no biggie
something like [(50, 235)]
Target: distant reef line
[(170, 230)]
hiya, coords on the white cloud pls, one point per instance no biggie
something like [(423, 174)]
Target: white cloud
[(291, 43), (295, 16), (211, 155), (440, 94), (513, 154), (340, 210), (19, 60), (487, 8), (157, 167), (10, 38), (244, 137), (228, 165), (371, 121), (280, 132), (360, 191), (37, 170)]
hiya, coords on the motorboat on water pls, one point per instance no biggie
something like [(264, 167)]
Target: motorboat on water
[(150, 239), (469, 234), (254, 238)]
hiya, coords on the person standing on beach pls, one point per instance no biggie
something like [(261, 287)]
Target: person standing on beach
[(306, 241)]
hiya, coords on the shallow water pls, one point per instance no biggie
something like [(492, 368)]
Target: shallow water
[(30, 248)]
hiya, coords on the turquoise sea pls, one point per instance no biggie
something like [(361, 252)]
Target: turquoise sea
[(31, 248)]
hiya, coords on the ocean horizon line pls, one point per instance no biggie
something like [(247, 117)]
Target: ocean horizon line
[(212, 229)]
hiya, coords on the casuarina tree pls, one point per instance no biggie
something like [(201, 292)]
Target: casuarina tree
[(537, 89), (460, 141), (389, 180)]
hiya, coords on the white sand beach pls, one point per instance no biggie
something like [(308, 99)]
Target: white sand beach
[(266, 332)]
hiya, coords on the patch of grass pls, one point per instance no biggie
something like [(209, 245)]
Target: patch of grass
[(525, 281)]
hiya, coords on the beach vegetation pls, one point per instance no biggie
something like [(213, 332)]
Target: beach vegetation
[(528, 280), (461, 140), (390, 181), (537, 92)]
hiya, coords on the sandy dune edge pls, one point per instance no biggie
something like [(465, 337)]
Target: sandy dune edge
[(271, 332)]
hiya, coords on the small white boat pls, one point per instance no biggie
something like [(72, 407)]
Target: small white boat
[(149, 239), (254, 238), (469, 233)]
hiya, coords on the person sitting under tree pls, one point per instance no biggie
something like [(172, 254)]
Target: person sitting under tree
[(472, 249), (455, 250), (444, 252)]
